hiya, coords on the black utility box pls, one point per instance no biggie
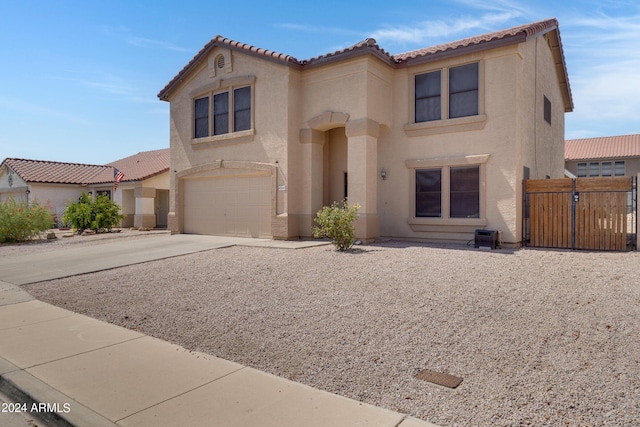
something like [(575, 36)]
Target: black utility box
[(486, 238)]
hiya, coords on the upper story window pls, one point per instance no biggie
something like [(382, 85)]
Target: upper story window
[(226, 109), (463, 91), (547, 110), (427, 105), (462, 86), (201, 117)]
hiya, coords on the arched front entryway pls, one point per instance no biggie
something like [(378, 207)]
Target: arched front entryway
[(341, 157)]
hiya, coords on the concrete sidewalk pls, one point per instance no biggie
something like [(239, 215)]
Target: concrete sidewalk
[(71, 369)]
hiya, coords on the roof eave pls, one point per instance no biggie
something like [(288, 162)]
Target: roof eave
[(346, 55), (462, 50), (217, 41)]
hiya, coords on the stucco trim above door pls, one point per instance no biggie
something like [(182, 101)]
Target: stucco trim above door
[(328, 120)]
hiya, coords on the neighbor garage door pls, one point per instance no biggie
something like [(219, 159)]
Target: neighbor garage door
[(230, 206)]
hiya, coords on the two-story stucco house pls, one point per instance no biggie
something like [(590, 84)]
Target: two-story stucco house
[(432, 144)]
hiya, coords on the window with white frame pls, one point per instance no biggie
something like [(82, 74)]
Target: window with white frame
[(462, 86), (582, 170), (606, 168)]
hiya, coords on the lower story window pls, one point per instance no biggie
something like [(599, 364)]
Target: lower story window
[(448, 192), (457, 187), (428, 193), (464, 197)]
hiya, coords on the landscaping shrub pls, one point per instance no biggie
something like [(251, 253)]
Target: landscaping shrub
[(22, 221), (336, 223), (101, 214)]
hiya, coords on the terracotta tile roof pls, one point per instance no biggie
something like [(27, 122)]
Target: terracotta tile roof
[(610, 147), (521, 32), (137, 167), (231, 44), (143, 165), (366, 46), (54, 172), (513, 35)]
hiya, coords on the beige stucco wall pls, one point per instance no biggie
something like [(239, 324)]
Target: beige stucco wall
[(364, 107), (270, 109)]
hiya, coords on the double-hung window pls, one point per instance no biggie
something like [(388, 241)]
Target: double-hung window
[(463, 91), (460, 187), (428, 193), (201, 115), (222, 112), (462, 84), (447, 191), (428, 98), (464, 192)]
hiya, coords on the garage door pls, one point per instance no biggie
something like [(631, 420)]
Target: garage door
[(228, 206)]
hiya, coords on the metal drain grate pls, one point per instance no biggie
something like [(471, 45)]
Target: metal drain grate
[(446, 380)]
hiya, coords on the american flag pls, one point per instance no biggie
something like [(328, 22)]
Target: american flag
[(117, 177)]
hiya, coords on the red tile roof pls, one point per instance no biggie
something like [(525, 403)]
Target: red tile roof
[(54, 172), (521, 33), (143, 165), (513, 35), (137, 167), (609, 147)]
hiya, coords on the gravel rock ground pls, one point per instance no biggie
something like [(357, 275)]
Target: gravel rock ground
[(540, 337)]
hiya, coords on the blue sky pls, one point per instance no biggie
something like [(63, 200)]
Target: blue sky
[(80, 78)]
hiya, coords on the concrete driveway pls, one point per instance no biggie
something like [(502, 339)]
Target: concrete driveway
[(71, 261)]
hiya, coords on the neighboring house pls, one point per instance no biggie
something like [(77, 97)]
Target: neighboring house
[(432, 144), (143, 193), (604, 156)]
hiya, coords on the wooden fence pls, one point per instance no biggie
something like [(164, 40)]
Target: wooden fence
[(583, 213)]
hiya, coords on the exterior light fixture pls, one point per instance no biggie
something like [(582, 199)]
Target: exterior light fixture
[(383, 174)]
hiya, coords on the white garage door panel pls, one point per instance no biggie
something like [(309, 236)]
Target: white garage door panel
[(235, 206)]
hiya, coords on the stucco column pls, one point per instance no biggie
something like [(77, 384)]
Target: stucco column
[(145, 215), (312, 187), (362, 167)]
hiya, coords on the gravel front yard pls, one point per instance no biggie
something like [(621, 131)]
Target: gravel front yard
[(540, 337)]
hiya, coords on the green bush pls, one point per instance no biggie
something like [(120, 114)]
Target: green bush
[(21, 221), (336, 223), (98, 215)]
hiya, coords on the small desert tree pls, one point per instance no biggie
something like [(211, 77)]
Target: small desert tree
[(336, 223)]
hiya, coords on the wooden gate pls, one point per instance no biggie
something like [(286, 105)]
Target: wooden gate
[(583, 213)]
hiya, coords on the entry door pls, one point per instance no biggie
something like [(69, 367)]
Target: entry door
[(162, 210)]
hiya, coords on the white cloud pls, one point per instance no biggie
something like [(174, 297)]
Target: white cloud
[(53, 112), (427, 32), (489, 16), (125, 34), (604, 71), (150, 43)]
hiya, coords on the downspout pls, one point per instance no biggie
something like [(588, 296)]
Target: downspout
[(535, 110)]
